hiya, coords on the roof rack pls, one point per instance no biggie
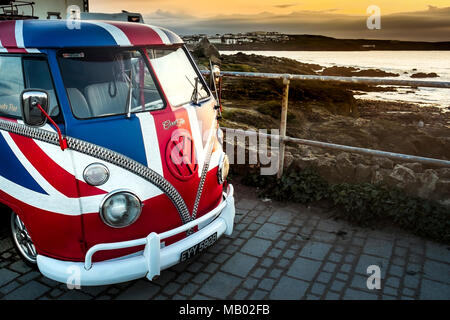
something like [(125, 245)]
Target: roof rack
[(9, 10)]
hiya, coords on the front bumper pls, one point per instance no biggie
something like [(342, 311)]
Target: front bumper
[(147, 263)]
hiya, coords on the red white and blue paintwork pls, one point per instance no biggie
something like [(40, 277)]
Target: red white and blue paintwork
[(45, 185)]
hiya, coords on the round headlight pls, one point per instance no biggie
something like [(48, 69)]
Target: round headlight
[(96, 174), (224, 168), (120, 209)]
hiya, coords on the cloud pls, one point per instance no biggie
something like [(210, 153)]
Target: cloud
[(285, 6), (427, 25)]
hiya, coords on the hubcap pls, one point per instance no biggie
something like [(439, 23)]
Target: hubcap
[(22, 239)]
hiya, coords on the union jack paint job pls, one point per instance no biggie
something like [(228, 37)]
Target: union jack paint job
[(44, 185)]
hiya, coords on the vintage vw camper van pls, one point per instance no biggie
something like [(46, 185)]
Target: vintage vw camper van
[(111, 159)]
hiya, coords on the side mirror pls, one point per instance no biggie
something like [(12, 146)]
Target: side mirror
[(32, 114)]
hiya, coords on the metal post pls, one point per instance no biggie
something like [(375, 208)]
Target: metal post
[(284, 110)]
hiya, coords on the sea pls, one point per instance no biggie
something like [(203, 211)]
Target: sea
[(404, 63)]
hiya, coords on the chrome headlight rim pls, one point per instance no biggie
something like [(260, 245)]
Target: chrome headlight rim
[(223, 158), (115, 193), (96, 164)]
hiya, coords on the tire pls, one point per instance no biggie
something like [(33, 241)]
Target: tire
[(22, 241)]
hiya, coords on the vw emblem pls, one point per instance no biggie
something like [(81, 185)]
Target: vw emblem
[(180, 155)]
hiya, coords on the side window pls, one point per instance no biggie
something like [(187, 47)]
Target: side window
[(37, 76), (11, 86)]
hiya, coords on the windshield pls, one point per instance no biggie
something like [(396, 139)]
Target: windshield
[(177, 76), (108, 81)]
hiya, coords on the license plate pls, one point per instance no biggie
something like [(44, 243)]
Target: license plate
[(198, 248)]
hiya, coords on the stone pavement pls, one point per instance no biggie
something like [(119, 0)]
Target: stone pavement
[(277, 251)]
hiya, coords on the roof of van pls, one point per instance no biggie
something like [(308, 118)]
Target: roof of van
[(21, 35)]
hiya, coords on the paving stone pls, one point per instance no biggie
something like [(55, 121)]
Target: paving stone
[(358, 241), (221, 258), (398, 261), (281, 216), (20, 266), (388, 297), (29, 276), (270, 231), (289, 254), (55, 293), (246, 235), (274, 253), (335, 257), (337, 286), (75, 295), (258, 295), (318, 289), (220, 285), (246, 204), (411, 281), (256, 247), (195, 267), (393, 282), (432, 290), (184, 277), (266, 284), (396, 270), (365, 261), (304, 269), (323, 236), (351, 294), (188, 289), (399, 251), (283, 263), (281, 244), (165, 277), (250, 283), (346, 268), (289, 289), (342, 276), (275, 273), (241, 294), (378, 247), (200, 278), (258, 273), (408, 292), (140, 290), (390, 291), (349, 258), (312, 297), (315, 250), (267, 262), (324, 277), (437, 252), (29, 291), (211, 267), (240, 264), (332, 296), (437, 271), (329, 267), (9, 287), (7, 276)]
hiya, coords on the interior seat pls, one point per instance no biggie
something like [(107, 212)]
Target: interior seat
[(107, 98), (79, 104)]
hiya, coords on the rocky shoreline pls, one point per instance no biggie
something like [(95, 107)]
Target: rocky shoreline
[(329, 112)]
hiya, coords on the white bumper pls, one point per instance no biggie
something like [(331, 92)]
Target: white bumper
[(147, 263)]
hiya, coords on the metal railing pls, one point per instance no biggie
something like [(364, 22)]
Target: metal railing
[(284, 110)]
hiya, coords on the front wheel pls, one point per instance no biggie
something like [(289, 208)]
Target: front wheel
[(22, 240)]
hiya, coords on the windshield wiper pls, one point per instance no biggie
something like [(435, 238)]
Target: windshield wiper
[(195, 93)]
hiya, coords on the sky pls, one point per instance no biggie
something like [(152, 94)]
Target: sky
[(421, 20)]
